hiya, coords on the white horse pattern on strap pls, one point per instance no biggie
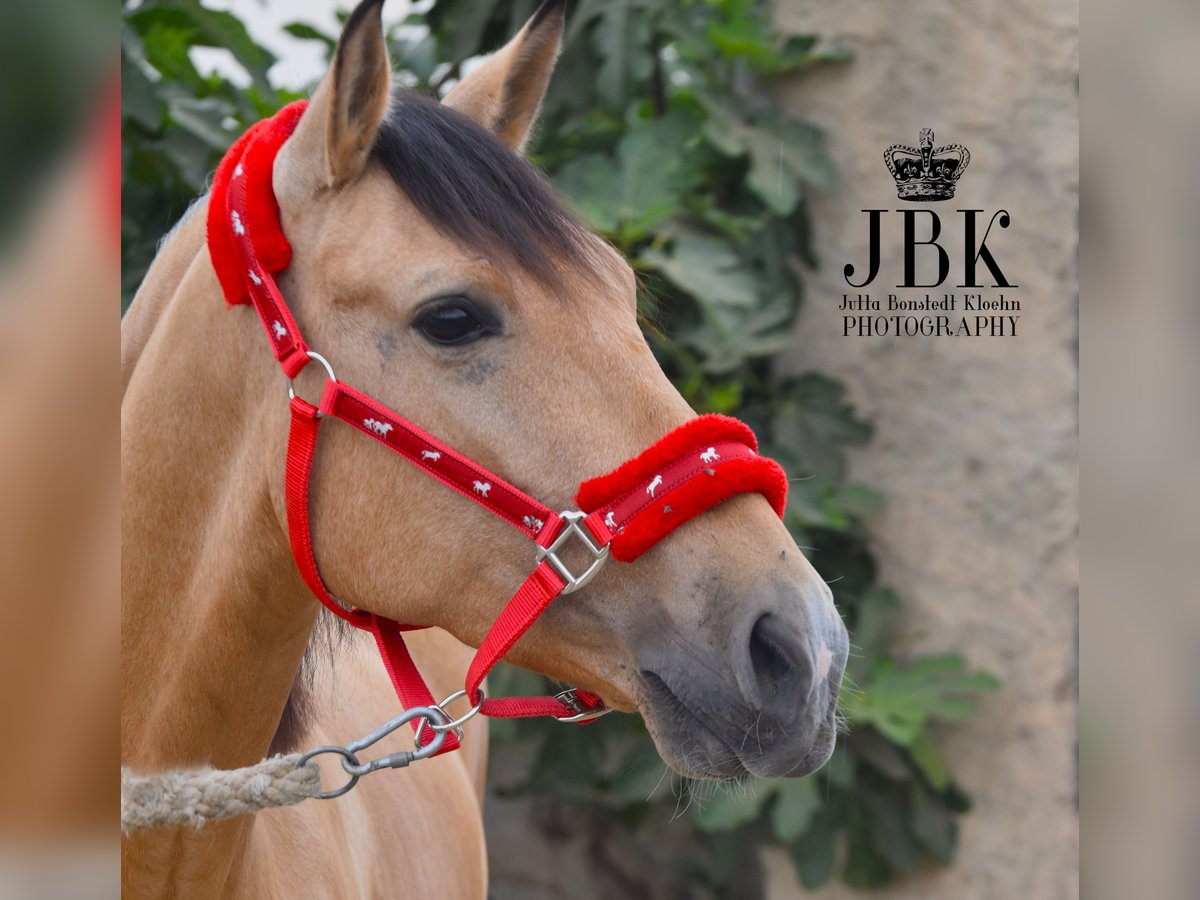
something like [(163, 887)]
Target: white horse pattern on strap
[(482, 488), (379, 428)]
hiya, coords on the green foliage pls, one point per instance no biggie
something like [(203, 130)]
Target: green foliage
[(662, 129), (175, 122)]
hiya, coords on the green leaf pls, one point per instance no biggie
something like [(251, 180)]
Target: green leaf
[(418, 54), (858, 500), (865, 866), (724, 398), (925, 755), (621, 37), (796, 802), (307, 32), (642, 187), (470, 21), (840, 768), (934, 825), (802, 52), (813, 854), (805, 152), (652, 176), (731, 141), (783, 153), (746, 39), (885, 758), (774, 184), (140, 101), (742, 30), (193, 160), (797, 48), (899, 702), (808, 499), (891, 833), (707, 269), (874, 613), (198, 26), (167, 52), (731, 808), (593, 186), (202, 119), (641, 774), (805, 50), (814, 419)]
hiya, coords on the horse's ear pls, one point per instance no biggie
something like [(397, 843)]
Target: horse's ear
[(505, 93), (334, 137)]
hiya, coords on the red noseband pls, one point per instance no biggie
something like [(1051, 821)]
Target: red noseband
[(622, 514)]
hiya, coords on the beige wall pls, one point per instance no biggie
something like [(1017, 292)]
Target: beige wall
[(975, 437)]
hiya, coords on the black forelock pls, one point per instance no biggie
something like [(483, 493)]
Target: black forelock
[(475, 189)]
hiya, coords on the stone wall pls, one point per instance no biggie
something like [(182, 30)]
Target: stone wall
[(975, 441)]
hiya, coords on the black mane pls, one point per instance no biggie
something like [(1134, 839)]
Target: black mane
[(476, 190)]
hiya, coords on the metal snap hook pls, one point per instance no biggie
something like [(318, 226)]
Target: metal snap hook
[(356, 769)]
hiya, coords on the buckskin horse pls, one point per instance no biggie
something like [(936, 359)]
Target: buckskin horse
[(437, 271)]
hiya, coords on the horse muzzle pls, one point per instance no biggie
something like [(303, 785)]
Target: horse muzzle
[(755, 693)]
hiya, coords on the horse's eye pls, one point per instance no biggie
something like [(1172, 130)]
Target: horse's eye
[(451, 323)]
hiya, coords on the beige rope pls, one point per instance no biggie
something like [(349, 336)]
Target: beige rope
[(196, 796)]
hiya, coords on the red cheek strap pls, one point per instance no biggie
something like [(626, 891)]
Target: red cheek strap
[(691, 469)]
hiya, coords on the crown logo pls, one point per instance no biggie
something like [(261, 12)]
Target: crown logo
[(925, 173)]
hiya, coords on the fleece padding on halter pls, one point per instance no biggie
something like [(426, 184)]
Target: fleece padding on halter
[(252, 158), (691, 469)]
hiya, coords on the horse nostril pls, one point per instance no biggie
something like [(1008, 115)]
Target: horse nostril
[(783, 671)]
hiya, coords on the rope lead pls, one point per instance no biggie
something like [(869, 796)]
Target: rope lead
[(196, 796)]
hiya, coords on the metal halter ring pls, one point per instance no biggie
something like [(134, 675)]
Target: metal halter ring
[(312, 354), (455, 724)]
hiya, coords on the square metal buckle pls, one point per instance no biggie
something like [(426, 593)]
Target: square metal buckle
[(573, 526), (570, 699)]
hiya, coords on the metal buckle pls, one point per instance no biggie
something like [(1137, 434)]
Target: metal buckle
[(570, 697), (573, 520)]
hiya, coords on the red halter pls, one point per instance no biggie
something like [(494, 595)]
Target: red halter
[(628, 511)]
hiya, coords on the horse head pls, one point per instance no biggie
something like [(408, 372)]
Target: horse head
[(438, 271)]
